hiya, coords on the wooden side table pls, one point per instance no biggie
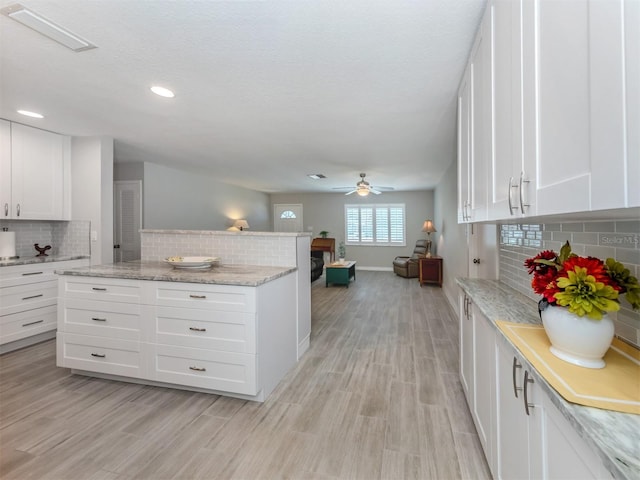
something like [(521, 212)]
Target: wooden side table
[(430, 270), (325, 245)]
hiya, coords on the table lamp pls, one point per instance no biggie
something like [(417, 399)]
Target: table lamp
[(428, 227)]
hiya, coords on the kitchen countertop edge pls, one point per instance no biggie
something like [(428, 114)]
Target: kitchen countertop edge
[(239, 275), (38, 260), (611, 434)]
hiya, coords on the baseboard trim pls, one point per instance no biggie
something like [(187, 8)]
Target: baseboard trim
[(375, 269), (303, 346)]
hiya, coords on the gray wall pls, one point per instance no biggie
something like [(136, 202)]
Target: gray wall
[(92, 191), (185, 200), (128, 171), (452, 240), (325, 211)]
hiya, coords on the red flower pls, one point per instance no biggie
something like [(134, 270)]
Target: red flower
[(539, 267), (545, 284), (595, 267)]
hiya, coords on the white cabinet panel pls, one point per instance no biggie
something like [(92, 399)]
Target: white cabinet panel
[(220, 297), (211, 369), (100, 354), (6, 206), (40, 174), (102, 289), (102, 319), (27, 323)]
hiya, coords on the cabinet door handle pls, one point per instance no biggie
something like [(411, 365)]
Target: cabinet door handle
[(96, 319), (196, 329), (522, 204), (99, 289), (98, 355), (198, 369), (198, 296), (33, 296), (516, 389), (18, 210), (511, 186), (6, 209), (527, 381), (32, 273), (32, 323)]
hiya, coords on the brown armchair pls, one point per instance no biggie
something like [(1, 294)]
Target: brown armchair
[(408, 266)]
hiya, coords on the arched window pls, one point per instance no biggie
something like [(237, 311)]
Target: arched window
[(287, 214)]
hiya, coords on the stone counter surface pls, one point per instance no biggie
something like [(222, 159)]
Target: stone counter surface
[(37, 260), (615, 436), (241, 275)]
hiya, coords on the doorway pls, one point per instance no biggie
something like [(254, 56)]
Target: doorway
[(287, 217), (127, 220)]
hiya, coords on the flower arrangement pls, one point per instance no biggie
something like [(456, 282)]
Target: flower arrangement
[(586, 285), (342, 251)]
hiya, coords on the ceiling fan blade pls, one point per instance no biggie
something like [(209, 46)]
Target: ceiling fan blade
[(352, 191), (373, 190), (383, 189)]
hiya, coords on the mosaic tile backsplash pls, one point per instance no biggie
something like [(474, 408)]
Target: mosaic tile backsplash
[(65, 238), (616, 239)]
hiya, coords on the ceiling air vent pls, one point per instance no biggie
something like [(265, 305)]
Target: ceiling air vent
[(46, 27)]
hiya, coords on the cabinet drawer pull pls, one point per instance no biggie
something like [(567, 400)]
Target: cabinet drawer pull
[(18, 210), (99, 355), (196, 329), (96, 319), (511, 186), (33, 296), (513, 368), (197, 296), (6, 209), (99, 289), (32, 323), (198, 369), (32, 273), (527, 381)]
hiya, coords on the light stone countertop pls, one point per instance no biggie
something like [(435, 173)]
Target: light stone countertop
[(615, 436), (36, 260), (242, 275)]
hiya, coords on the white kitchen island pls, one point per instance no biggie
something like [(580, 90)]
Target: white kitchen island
[(229, 330)]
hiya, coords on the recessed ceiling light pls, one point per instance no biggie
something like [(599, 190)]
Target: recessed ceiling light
[(30, 114), (316, 176), (163, 92)]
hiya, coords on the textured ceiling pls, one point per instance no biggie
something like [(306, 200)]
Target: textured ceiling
[(266, 91)]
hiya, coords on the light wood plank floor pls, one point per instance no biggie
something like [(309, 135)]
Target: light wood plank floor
[(377, 396)]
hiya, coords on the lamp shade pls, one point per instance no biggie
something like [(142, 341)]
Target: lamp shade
[(241, 224), (427, 226)]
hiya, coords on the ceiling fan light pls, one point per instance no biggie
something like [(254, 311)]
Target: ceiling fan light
[(362, 191), (163, 92)]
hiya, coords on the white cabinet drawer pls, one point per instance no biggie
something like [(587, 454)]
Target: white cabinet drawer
[(26, 297), (103, 289), (102, 319), (25, 324), (216, 297), (225, 371), (100, 354), (14, 275), (188, 327)]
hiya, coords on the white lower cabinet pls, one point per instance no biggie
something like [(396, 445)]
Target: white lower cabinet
[(519, 419), (28, 299), (522, 432), (223, 338)]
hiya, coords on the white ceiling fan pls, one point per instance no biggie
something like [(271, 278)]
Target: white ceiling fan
[(364, 188)]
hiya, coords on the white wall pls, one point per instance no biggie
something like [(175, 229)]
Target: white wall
[(325, 211), (452, 242), (185, 200), (92, 191)]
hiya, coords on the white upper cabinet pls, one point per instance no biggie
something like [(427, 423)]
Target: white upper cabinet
[(474, 130), (564, 107), (40, 172), (5, 168)]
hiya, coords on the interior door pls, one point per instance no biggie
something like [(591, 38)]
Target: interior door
[(127, 220), (483, 252), (287, 217)]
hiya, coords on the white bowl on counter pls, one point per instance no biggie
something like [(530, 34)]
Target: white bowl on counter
[(191, 262)]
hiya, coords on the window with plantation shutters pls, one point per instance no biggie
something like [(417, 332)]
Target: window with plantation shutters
[(377, 225)]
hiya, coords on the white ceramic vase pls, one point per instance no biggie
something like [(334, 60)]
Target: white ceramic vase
[(577, 340)]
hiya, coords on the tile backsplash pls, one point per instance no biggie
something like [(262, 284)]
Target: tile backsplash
[(616, 239), (65, 238)]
